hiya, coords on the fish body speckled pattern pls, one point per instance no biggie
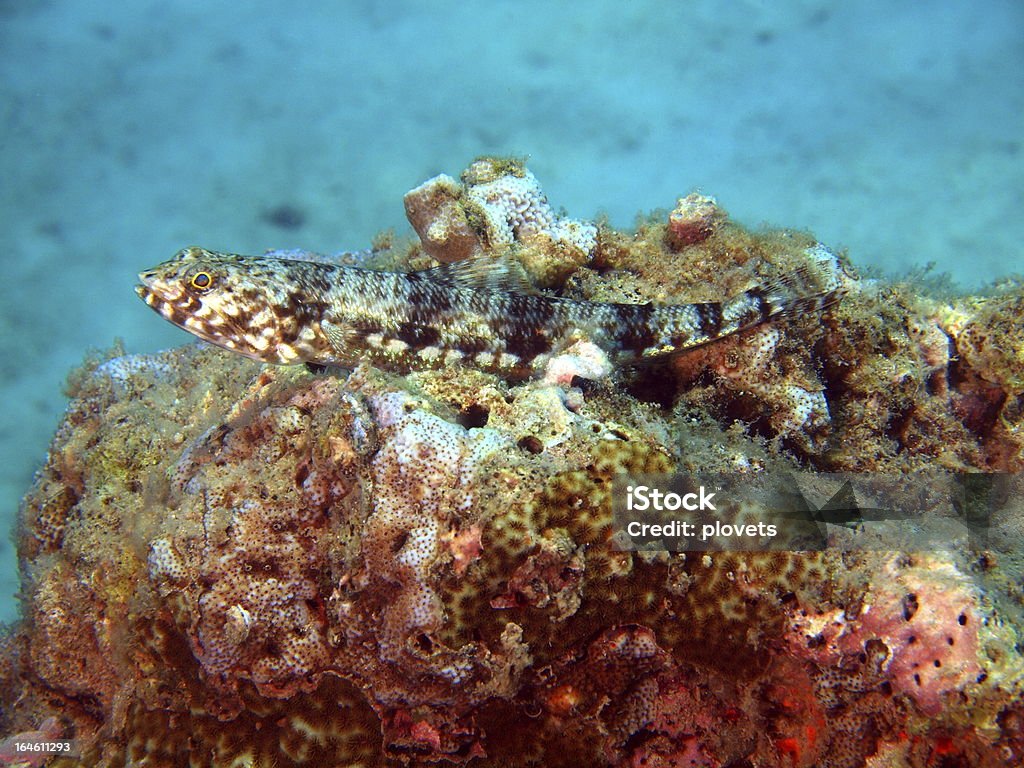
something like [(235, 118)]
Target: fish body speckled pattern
[(479, 313)]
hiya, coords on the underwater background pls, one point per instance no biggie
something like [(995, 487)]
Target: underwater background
[(892, 129)]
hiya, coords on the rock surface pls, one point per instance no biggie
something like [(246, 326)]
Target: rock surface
[(251, 565)]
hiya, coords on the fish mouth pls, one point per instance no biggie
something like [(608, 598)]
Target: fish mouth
[(154, 291), (156, 296), (145, 294), (170, 305), (146, 290)]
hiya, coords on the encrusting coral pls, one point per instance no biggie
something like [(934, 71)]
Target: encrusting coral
[(231, 564), (499, 204)]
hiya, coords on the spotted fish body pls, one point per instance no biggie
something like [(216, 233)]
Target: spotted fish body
[(473, 313)]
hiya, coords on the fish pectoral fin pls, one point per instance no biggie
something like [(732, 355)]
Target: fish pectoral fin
[(501, 273), (340, 336)]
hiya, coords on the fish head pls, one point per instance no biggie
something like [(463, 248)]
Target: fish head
[(243, 303)]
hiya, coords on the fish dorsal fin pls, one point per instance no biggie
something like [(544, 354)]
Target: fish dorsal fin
[(501, 273)]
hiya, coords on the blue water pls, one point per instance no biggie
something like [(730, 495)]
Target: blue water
[(890, 128)]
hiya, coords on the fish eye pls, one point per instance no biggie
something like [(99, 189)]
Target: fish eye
[(201, 281)]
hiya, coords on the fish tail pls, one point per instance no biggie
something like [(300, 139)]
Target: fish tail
[(660, 331)]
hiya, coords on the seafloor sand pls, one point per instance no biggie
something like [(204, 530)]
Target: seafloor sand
[(890, 128)]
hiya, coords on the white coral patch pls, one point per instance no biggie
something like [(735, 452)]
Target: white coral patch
[(582, 235), (164, 561), (516, 208), (426, 470), (806, 409), (421, 545), (121, 369), (584, 359), (829, 266)]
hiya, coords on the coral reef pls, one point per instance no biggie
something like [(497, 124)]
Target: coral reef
[(693, 221), (499, 204), (231, 564)]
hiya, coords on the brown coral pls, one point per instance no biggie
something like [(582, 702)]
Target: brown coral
[(694, 219)]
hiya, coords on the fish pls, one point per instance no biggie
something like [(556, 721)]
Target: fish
[(482, 313)]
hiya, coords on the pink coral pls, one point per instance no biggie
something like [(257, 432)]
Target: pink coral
[(921, 624), (928, 618)]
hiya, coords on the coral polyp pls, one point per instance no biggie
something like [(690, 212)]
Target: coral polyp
[(227, 563)]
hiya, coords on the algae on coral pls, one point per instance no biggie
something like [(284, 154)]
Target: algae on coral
[(236, 564)]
